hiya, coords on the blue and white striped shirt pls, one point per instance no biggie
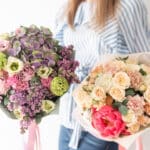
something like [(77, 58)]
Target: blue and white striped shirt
[(126, 33)]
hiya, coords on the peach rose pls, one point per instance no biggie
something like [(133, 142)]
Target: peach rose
[(117, 93)]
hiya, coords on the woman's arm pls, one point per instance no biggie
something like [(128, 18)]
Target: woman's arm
[(134, 25)]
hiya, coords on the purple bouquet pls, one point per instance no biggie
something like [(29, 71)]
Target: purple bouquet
[(34, 72)]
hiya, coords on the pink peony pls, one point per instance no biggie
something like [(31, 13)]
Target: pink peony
[(46, 82), (108, 121), (4, 45)]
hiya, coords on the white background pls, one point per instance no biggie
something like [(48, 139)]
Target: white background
[(14, 13)]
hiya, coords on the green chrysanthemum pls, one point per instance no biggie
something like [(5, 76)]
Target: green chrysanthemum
[(48, 106), (59, 85), (44, 72), (14, 65), (3, 60)]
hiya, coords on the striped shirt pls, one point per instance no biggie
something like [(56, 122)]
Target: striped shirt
[(125, 34)]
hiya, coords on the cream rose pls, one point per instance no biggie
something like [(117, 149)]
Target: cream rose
[(133, 67), (147, 94), (83, 100), (98, 93), (130, 118), (104, 80), (117, 93), (122, 80)]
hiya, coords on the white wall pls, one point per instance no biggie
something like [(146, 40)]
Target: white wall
[(14, 13)]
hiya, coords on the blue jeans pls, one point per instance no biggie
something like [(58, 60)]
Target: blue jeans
[(87, 141)]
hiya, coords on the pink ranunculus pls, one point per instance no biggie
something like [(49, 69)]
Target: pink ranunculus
[(108, 122), (27, 73), (136, 103), (4, 45), (17, 84), (46, 82), (3, 87)]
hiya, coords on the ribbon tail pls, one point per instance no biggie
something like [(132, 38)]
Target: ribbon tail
[(139, 144), (33, 137), (121, 148), (38, 139)]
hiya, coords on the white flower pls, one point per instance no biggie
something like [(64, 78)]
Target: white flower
[(130, 118), (133, 67), (117, 93), (18, 114), (98, 93), (14, 65), (44, 72), (82, 98), (147, 94), (122, 80), (47, 106), (104, 80)]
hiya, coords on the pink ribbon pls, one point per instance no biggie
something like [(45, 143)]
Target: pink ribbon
[(33, 137), (139, 145)]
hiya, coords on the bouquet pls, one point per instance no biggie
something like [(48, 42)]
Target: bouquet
[(114, 99), (34, 72)]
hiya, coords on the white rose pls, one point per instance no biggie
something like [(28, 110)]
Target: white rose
[(122, 80), (117, 93), (98, 93), (130, 118), (104, 80), (133, 67)]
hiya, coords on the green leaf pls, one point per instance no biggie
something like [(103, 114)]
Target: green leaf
[(6, 101), (38, 118), (142, 72), (116, 104), (123, 110), (130, 92), (125, 102), (122, 58)]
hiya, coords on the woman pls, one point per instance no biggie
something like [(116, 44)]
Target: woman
[(95, 28)]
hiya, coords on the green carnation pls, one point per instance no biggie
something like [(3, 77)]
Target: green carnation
[(59, 85), (48, 106), (3, 60), (44, 72)]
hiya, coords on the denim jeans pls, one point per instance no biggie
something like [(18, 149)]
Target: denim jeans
[(87, 141)]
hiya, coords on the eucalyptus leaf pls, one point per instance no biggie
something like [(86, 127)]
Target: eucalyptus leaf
[(6, 101), (38, 118), (123, 110), (116, 104), (142, 72), (125, 102), (130, 92)]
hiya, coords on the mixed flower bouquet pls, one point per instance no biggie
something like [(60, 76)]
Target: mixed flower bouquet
[(114, 99), (34, 71)]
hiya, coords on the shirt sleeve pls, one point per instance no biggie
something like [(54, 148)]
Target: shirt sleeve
[(134, 26)]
